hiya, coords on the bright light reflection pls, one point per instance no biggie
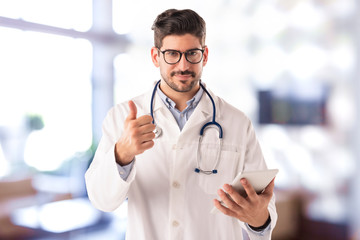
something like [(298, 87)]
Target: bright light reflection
[(54, 83), (10, 9), (302, 162), (58, 217), (70, 214), (306, 16), (343, 57), (315, 138), (275, 137), (342, 155), (269, 63), (329, 207), (306, 60), (268, 21), (130, 81), (342, 109)]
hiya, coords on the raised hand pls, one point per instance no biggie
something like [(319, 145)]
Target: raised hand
[(137, 137)]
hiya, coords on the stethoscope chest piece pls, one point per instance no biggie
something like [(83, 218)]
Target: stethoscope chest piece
[(157, 131)]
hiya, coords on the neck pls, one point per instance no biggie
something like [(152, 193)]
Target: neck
[(180, 98)]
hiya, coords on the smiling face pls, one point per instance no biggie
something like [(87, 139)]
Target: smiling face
[(182, 77)]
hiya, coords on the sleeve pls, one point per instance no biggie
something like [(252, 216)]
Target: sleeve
[(105, 186), (254, 160)]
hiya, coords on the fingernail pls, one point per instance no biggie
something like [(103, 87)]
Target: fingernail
[(243, 181)]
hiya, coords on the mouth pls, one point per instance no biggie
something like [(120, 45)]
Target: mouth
[(183, 74)]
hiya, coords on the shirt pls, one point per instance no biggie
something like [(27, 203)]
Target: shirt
[(181, 117)]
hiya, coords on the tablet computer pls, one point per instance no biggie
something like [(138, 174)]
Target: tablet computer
[(258, 179)]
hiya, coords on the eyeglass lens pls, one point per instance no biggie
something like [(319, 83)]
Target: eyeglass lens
[(192, 56)]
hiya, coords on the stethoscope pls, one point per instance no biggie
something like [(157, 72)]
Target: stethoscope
[(158, 132)]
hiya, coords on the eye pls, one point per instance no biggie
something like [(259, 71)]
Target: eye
[(172, 53), (192, 53)]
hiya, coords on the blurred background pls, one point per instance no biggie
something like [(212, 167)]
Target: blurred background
[(292, 66)]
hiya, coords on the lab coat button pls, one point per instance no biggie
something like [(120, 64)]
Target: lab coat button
[(176, 184), (175, 223)]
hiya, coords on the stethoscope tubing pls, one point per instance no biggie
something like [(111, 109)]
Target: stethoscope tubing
[(158, 131)]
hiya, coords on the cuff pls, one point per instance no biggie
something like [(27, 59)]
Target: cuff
[(125, 170), (261, 229)]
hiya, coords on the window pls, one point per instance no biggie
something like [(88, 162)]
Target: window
[(45, 98)]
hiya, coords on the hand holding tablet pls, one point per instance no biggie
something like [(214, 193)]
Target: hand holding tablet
[(257, 179)]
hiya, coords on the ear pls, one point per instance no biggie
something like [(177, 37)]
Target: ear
[(155, 56), (206, 54)]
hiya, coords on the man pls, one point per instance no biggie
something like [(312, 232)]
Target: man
[(167, 199)]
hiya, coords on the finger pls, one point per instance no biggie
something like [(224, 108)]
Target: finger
[(223, 209), (142, 143), (237, 197), (250, 191), (227, 200), (147, 137), (148, 128), (144, 120), (148, 144), (133, 110), (145, 145)]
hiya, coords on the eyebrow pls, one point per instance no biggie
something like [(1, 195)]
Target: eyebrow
[(181, 51)]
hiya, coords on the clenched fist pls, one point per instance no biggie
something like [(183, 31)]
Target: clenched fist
[(137, 137)]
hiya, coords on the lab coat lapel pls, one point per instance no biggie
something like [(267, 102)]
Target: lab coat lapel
[(162, 115), (203, 112)]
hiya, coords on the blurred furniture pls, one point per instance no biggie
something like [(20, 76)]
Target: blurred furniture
[(293, 224), (13, 195), (29, 213), (288, 206)]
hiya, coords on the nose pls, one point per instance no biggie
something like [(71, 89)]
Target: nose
[(183, 64)]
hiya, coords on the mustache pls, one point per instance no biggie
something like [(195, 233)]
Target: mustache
[(182, 73)]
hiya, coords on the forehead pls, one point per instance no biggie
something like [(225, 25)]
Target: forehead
[(181, 42)]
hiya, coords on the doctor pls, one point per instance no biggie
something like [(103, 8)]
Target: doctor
[(173, 179)]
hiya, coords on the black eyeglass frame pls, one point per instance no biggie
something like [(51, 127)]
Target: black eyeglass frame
[(181, 53)]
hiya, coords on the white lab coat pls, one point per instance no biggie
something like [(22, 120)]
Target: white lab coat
[(166, 198)]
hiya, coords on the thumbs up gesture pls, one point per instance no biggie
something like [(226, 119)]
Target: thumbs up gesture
[(137, 137)]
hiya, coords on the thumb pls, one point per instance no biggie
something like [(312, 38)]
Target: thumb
[(133, 110)]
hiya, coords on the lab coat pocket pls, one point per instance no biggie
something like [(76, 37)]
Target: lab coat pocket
[(226, 170)]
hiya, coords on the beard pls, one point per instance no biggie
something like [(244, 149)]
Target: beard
[(183, 88)]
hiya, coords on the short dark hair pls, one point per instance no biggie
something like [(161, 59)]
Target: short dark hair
[(178, 22)]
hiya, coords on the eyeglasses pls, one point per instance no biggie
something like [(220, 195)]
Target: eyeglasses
[(193, 56)]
